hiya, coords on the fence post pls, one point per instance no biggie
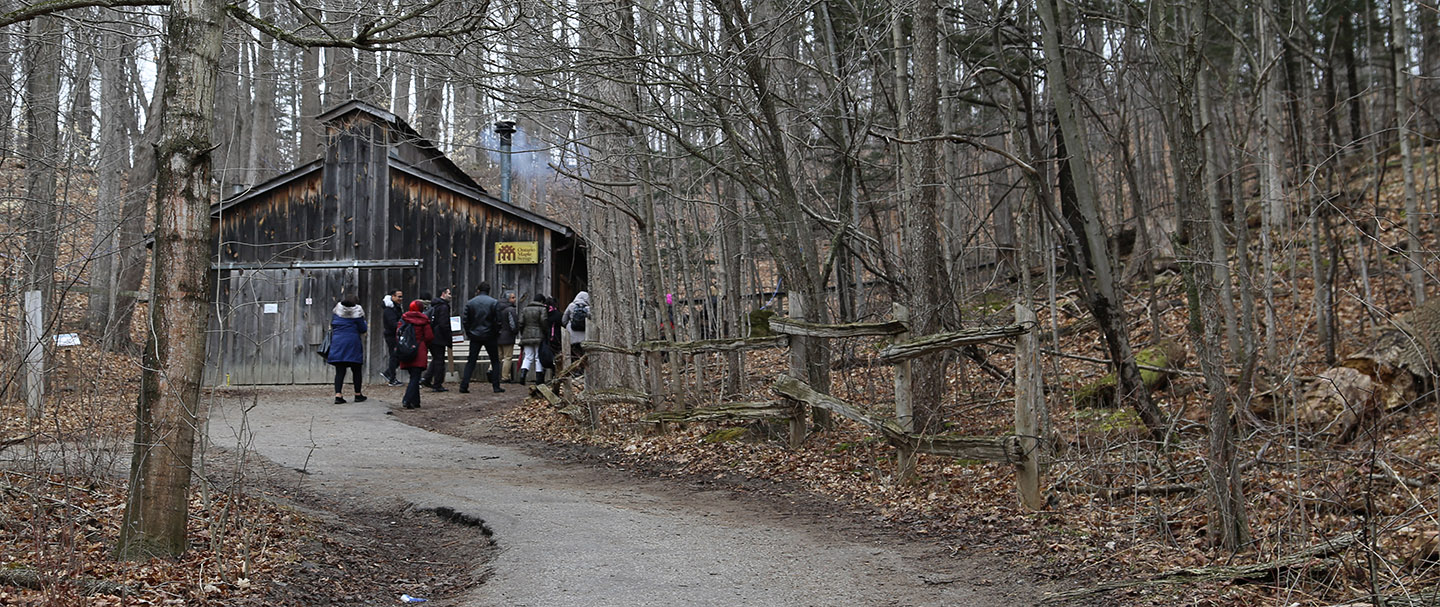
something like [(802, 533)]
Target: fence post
[(1030, 414), (34, 348), (799, 367), (905, 459)]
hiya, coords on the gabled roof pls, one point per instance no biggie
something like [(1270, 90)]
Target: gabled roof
[(466, 186), (398, 165), (267, 185), (411, 136)]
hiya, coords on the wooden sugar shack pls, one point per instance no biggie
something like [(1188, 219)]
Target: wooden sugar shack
[(382, 209)]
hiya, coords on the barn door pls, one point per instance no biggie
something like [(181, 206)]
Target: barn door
[(316, 291), (269, 323)]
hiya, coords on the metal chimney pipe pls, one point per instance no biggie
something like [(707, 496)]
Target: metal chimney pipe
[(505, 129)]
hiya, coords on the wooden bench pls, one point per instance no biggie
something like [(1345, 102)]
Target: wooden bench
[(460, 353)]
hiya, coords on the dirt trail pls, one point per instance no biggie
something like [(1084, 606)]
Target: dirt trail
[(572, 534)]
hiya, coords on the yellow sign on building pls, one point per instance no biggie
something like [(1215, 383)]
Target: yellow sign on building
[(517, 252)]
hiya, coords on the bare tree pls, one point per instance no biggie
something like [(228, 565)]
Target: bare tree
[(1091, 253), (42, 143), (170, 406)]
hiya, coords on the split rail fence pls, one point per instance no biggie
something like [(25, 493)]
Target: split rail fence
[(1025, 449)]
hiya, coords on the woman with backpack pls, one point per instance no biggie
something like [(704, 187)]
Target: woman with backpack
[(414, 329), (577, 317), (347, 324)]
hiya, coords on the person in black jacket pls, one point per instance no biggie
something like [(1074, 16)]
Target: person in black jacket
[(550, 348), (481, 325), (394, 308), (439, 343)]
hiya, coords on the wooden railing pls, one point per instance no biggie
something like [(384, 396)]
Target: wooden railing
[(1025, 449)]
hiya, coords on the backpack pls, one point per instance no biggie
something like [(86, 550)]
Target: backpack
[(577, 318), (406, 346)]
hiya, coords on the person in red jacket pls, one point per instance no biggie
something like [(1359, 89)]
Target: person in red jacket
[(415, 366)]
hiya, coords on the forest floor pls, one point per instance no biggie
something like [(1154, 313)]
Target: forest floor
[(269, 535), (340, 505)]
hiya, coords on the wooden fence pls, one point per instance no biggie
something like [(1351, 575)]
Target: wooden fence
[(1025, 449)]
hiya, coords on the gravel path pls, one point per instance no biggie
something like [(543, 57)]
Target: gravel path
[(572, 534)]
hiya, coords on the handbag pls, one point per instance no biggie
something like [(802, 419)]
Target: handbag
[(324, 348)]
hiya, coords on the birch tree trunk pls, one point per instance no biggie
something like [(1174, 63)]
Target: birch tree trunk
[(169, 410)]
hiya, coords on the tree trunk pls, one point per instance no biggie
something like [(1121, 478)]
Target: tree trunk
[(263, 161), (132, 254), (7, 95), (1428, 24), (1272, 210), (169, 409), (931, 307), (732, 303), (1399, 54), (82, 103), (311, 105), (114, 165), (338, 60), (1092, 253), (1229, 527), (42, 155), (404, 73)]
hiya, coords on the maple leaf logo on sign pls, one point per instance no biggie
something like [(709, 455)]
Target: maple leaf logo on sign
[(517, 252)]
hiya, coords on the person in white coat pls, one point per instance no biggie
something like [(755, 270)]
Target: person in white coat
[(577, 318)]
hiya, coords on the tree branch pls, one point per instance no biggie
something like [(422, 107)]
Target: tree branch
[(41, 9)]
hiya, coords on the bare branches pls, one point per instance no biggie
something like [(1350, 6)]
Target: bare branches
[(370, 35), (56, 6)]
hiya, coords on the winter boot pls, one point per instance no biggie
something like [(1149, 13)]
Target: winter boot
[(524, 377)]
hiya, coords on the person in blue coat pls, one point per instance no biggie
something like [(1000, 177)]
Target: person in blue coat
[(347, 350)]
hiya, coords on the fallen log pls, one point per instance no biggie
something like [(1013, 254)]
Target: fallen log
[(550, 396), (983, 448), (746, 411), (1304, 558), (859, 329), (33, 580), (929, 344), (714, 345)]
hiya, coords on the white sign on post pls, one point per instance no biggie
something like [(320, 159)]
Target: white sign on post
[(271, 308), (34, 353)]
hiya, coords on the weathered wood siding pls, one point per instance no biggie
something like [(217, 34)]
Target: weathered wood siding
[(268, 324), (288, 224), (456, 237)]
